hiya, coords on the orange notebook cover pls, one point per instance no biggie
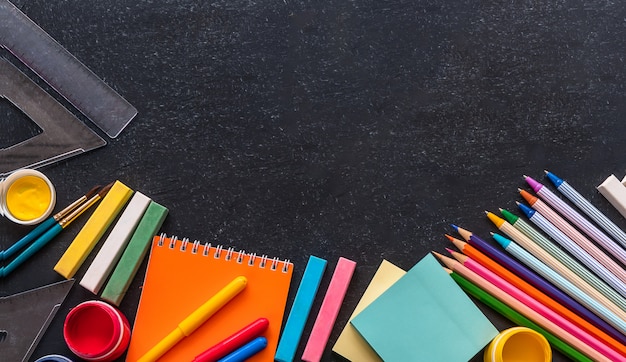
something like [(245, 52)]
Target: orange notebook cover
[(182, 275)]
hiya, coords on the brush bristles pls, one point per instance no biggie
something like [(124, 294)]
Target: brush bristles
[(93, 191), (105, 189)]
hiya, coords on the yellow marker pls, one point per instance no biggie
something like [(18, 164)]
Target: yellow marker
[(93, 230), (27, 197), (196, 319)]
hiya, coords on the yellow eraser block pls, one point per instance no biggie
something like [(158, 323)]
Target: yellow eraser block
[(93, 230)]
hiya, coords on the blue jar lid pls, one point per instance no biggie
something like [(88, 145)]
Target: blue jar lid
[(53, 358)]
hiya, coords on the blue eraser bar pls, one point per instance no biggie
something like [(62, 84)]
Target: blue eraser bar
[(288, 343)]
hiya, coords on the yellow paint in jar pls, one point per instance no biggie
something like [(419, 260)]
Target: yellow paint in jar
[(518, 344), (28, 198)]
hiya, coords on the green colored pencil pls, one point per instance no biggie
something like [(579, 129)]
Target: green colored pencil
[(517, 318)]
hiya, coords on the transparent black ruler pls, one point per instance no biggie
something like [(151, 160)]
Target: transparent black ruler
[(63, 135), (24, 318), (63, 72)]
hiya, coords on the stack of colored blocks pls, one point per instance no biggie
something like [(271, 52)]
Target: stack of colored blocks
[(117, 261)]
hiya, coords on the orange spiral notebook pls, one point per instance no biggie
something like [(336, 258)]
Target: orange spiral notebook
[(182, 275)]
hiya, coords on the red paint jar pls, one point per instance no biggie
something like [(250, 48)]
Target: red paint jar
[(96, 331)]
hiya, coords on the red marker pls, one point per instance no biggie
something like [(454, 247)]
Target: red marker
[(233, 342)]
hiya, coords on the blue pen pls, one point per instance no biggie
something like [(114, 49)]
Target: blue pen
[(51, 233), (44, 226), (246, 351), (586, 206)]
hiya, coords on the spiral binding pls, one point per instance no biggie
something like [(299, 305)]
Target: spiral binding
[(229, 254)]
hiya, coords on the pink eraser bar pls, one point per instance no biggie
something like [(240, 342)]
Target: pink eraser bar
[(329, 310)]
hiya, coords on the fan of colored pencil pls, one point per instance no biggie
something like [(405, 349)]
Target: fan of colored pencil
[(565, 279)]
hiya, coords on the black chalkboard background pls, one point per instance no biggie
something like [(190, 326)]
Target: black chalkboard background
[(340, 128)]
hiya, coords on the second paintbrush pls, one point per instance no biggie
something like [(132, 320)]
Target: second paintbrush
[(53, 231), (44, 226)]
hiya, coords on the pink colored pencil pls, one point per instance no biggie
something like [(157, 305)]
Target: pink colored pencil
[(538, 307)]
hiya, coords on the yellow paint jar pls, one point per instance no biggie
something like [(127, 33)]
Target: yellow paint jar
[(518, 344), (27, 197)]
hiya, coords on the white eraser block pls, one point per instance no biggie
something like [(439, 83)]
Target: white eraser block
[(115, 243), (614, 191)]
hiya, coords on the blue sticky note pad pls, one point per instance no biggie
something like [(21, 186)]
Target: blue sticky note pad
[(288, 343), (425, 316)]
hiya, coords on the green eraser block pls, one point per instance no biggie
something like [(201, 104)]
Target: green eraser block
[(134, 253)]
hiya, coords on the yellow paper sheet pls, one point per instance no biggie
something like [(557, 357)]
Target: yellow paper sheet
[(350, 344)]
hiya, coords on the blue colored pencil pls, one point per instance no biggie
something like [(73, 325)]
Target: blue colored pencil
[(532, 278), (558, 280)]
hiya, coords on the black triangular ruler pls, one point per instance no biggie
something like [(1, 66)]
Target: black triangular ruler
[(63, 134), (24, 317)]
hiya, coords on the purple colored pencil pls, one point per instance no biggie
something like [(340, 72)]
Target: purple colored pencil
[(532, 278)]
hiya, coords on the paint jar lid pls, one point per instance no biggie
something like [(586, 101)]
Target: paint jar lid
[(27, 197), (53, 358), (518, 344), (96, 331)]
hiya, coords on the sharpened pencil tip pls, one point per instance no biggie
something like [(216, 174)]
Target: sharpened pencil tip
[(449, 262), (456, 228), (446, 235), (458, 256), (465, 234), (460, 244), (450, 250)]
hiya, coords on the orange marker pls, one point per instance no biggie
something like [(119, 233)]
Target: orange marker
[(528, 197)]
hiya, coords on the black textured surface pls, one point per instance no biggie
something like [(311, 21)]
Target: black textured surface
[(359, 129)]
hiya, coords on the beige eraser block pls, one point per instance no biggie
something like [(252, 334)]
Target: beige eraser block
[(93, 230), (614, 191)]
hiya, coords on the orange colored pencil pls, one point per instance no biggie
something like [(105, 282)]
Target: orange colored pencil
[(522, 308), (505, 274)]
